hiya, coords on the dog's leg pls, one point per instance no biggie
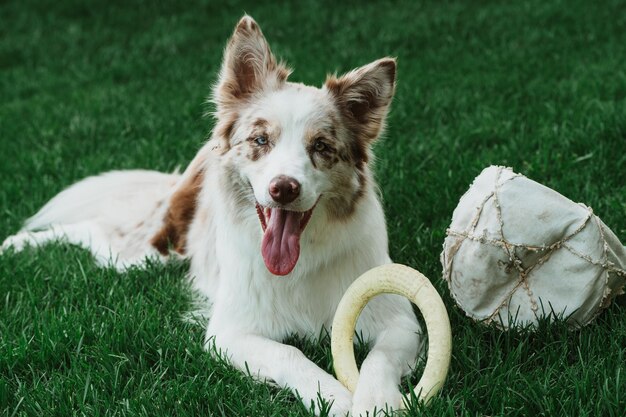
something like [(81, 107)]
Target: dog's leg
[(85, 234), (391, 324), (286, 366)]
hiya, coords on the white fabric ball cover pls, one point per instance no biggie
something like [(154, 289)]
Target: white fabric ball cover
[(517, 251)]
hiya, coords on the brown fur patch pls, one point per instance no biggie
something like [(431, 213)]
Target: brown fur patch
[(256, 151), (261, 124), (323, 160), (334, 147), (342, 205), (224, 130), (261, 127), (179, 215)]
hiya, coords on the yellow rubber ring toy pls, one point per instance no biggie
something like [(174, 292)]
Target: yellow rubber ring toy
[(405, 281)]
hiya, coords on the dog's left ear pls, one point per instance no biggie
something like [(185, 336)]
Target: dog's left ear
[(363, 96)]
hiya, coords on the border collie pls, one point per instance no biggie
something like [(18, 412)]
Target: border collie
[(278, 214)]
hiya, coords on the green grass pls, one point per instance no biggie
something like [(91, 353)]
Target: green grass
[(93, 86)]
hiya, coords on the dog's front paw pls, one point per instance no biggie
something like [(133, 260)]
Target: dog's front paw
[(371, 399), (338, 402)]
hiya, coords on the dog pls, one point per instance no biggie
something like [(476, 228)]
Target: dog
[(278, 213)]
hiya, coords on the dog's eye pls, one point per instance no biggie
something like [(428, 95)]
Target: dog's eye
[(320, 146), (261, 140)]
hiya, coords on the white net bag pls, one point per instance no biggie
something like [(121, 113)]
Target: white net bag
[(517, 251)]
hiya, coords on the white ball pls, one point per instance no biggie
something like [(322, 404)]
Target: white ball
[(517, 251)]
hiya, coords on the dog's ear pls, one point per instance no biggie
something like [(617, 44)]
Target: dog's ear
[(248, 67), (363, 96)]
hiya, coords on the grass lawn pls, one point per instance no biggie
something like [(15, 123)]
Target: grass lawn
[(87, 87)]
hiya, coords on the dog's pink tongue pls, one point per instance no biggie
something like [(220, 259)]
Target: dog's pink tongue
[(281, 241)]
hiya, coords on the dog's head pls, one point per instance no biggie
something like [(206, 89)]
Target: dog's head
[(290, 149)]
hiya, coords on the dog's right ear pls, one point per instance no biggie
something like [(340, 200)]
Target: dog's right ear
[(248, 67)]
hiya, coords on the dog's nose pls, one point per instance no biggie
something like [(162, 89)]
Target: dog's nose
[(284, 189)]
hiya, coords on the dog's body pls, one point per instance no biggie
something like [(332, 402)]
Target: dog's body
[(282, 188)]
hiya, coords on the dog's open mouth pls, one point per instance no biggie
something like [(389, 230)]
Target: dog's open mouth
[(281, 237)]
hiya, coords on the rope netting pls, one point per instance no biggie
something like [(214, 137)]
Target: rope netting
[(525, 267)]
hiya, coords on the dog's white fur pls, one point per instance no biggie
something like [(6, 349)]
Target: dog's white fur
[(115, 215)]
